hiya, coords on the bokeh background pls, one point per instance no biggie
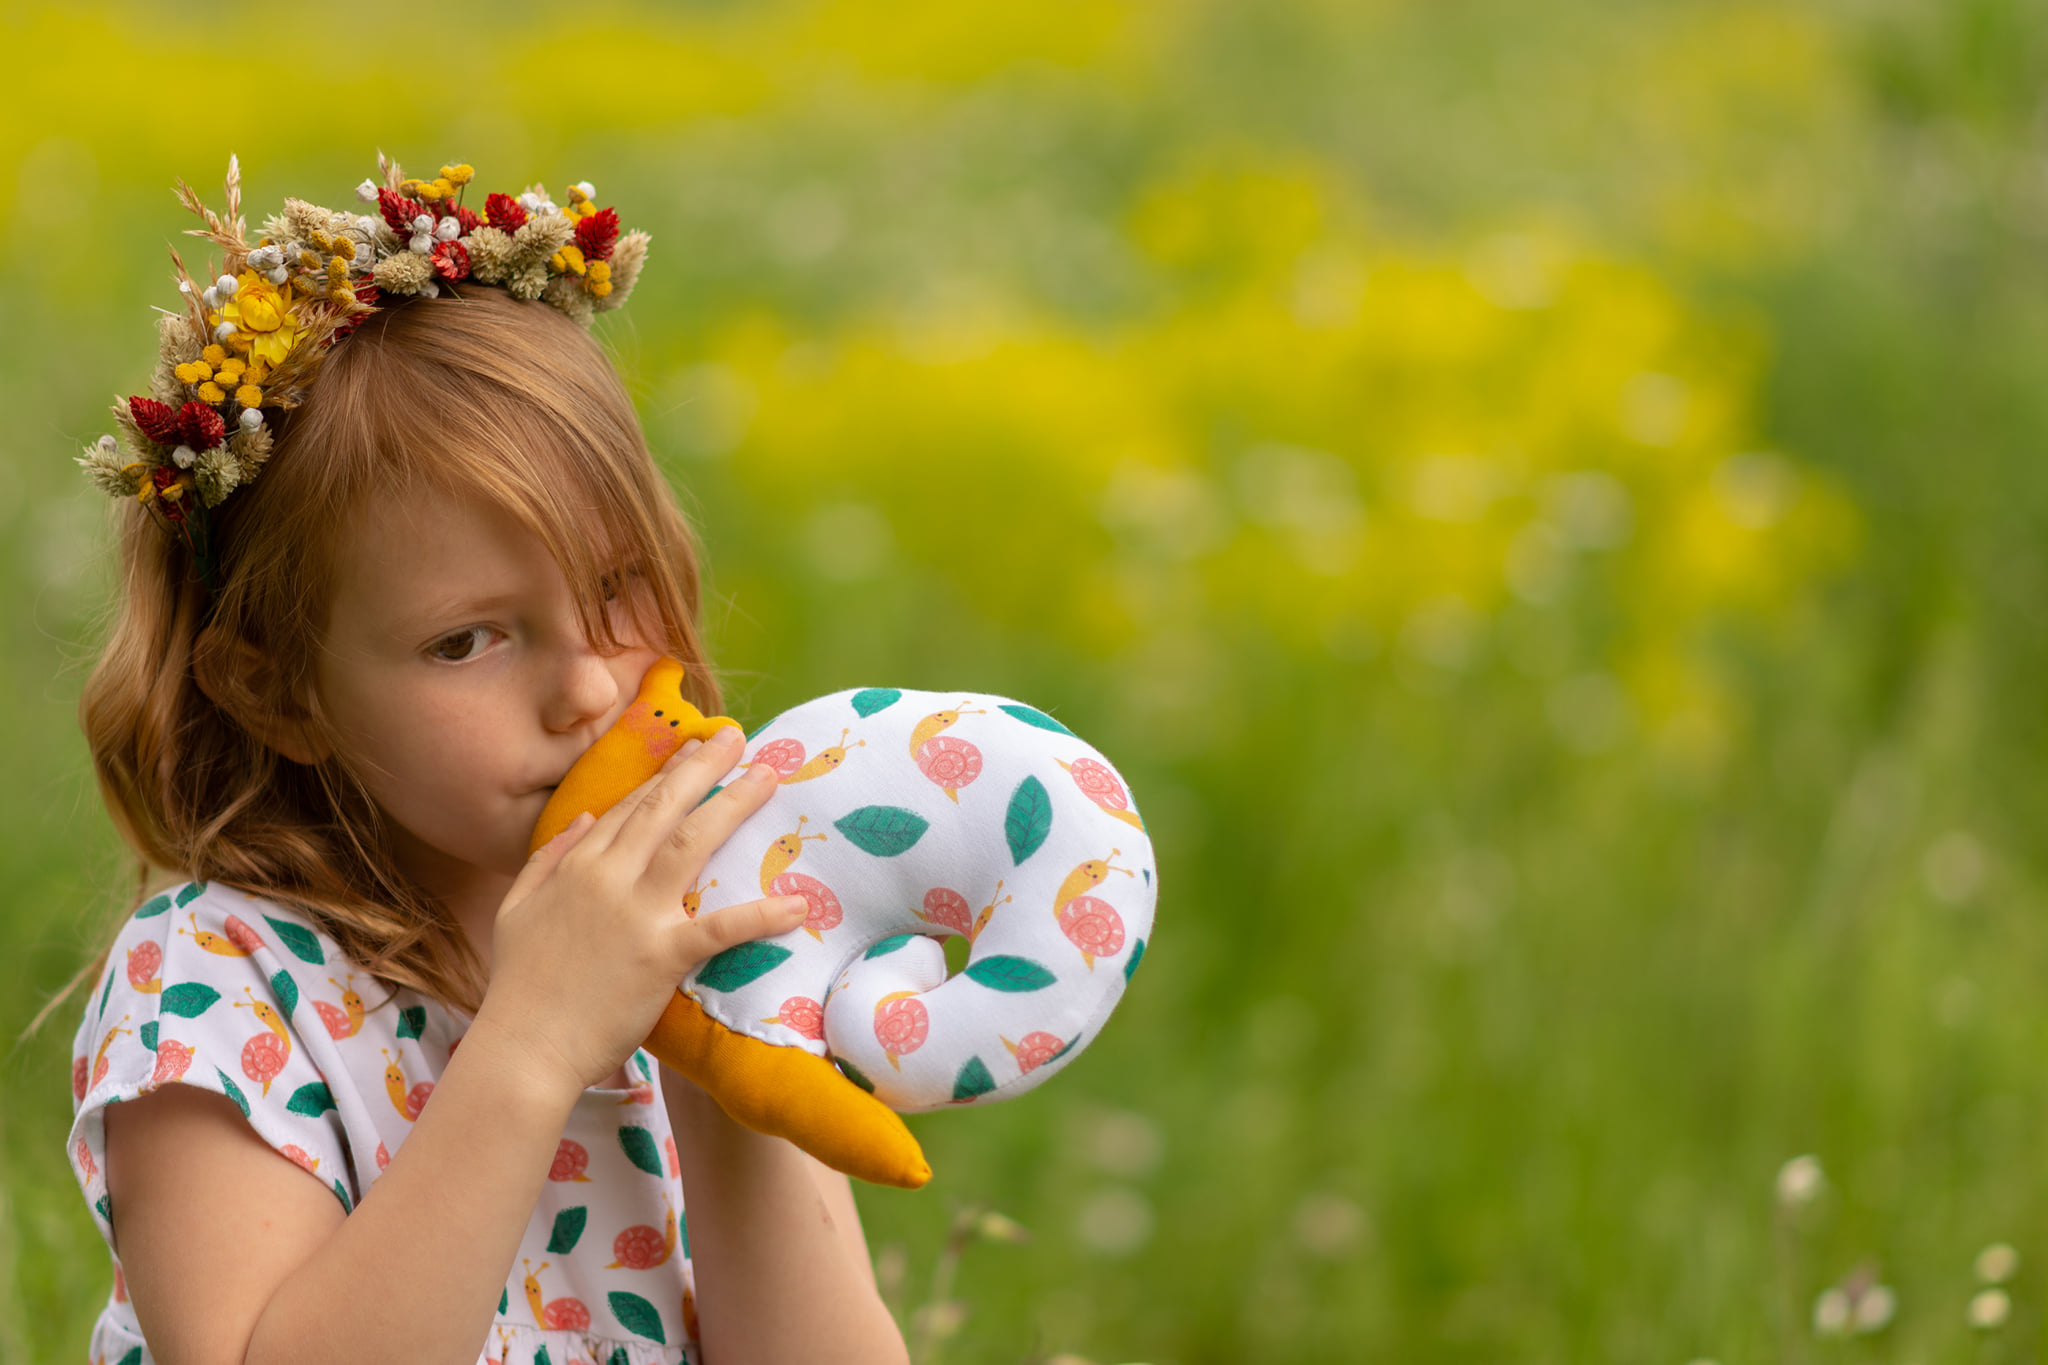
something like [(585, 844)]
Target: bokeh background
[(1543, 501)]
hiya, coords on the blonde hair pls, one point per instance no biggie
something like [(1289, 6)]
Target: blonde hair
[(477, 393)]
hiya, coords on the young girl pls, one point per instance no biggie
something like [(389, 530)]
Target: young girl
[(367, 1086)]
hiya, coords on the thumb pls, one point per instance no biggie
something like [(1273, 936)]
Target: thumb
[(548, 856), (736, 924)]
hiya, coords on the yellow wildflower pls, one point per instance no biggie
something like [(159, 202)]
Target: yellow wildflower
[(193, 372), (249, 396), (210, 392), (264, 323), (213, 355)]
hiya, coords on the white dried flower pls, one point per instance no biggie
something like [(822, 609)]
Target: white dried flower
[(211, 298), (423, 222), (430, 290), (266, 257), (589, 190), (447, 230), (529, 201), (225, 286), (1800, 1180), (223, 332), (277, 276), (251, 419), (1831, 1312), (421, 243), (1997, 1263), (1990, 1309), (528, 282), (183, 456), (403, 273), (367, 191)]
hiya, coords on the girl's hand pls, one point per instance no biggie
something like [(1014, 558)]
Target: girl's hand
[(592, 939)]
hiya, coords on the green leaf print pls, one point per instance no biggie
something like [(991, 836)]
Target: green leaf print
[(107, 989), (412, 1021), (738, 965), (134, 1357), (504, 1300), (232, 1091), (154, 906), (1130, 966), (884, 831), (1065, 1048), (541, 1356), (1011, 974), (683, 1232), (636, 1315), (1032, 716), (301, 940), (287, 992), (884, 947), (852, 1073), (640, 1149), (104, 1207), (618, 1357), (311, 1099), (341, 1193), (147, 1033), (973, 1080), (1029, 819), (192, 891), (568, 1230), (869, 700), (188, 999)]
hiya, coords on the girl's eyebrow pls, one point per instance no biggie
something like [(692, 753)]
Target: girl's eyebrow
[(436, 613)]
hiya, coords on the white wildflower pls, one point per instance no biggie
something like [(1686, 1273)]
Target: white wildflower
[(1997, 1263), (1873, 1309), (1831, 1312), (1989, 1310), (1800, 1181)]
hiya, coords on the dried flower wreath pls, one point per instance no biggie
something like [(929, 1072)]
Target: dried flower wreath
[(247, 345)]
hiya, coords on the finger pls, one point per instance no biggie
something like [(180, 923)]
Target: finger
[(692, 840), (675, 793), (711, 934), (613, 820), (548, 856)]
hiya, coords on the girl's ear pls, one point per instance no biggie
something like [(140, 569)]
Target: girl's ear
[(237, 677)]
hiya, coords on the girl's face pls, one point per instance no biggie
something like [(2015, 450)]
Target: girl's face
[(459, 682)]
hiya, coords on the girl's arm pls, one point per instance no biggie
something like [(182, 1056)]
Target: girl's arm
[(232, 1255), (782, 1266)]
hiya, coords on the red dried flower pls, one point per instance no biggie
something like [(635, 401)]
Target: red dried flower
[(163, 476), (451, 261), (159, 421), (398, 211), (200, 426), (596, 234), (467, 217), (505, 213), (366, 292)]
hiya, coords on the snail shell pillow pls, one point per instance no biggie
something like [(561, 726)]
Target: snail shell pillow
[(902, 818)]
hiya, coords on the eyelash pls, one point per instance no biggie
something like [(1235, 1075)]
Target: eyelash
[(434, 650)]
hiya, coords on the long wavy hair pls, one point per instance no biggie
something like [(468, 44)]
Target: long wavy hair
[(476, 394)]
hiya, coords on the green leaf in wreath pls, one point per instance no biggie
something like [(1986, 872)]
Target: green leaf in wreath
[(287, 992), (1131, 965), (884, 831), (147, 1033), (412, 1021), (311, 1099), (636, 1315), (1011, 974), (639, 1147), (1029, 819), (191, 892), (886, 946), (154, 906), (568, 1230), (740, 964), (233, 1092), (1032, 716), (304, 944), (188, 999), (869, 700), (852, 1073), (973, 1080)]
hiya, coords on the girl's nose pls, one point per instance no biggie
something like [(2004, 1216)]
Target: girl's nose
[(582, 692)]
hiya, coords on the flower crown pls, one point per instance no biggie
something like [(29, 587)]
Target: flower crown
[(247, 345)]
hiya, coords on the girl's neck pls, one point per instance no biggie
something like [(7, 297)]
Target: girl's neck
[(471, 895)]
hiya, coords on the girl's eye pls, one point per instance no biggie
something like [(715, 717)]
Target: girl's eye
[(461, 645)]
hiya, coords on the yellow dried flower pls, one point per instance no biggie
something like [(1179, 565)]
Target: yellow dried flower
[(598, 288), (193, 372), (249, 396), (213, 355), (446, 187), (210, 392), (569, 259), (345, 248), (411, 187), (458, 175), (259, 373), (600, 272), (309, 260)]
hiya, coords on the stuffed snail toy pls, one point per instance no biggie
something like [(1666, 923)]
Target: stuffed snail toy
[(902, 818)]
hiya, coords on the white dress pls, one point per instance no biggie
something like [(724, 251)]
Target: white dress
[(211, 987)]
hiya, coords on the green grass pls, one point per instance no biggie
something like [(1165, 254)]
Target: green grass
[(1486, 1001)]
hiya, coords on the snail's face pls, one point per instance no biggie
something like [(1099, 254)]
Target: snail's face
[(460, 687)]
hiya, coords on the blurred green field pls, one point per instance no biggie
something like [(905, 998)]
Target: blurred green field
[(1543, 501)]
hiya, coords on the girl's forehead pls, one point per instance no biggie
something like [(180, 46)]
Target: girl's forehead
[(435, 552)]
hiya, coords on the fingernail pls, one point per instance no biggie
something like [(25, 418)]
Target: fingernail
[(728, 736), (761, 772), (691, 746)]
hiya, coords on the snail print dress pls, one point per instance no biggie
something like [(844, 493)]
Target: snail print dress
[(211, 987)]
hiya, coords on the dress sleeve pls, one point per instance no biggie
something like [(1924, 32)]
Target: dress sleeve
[(198, 991)]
